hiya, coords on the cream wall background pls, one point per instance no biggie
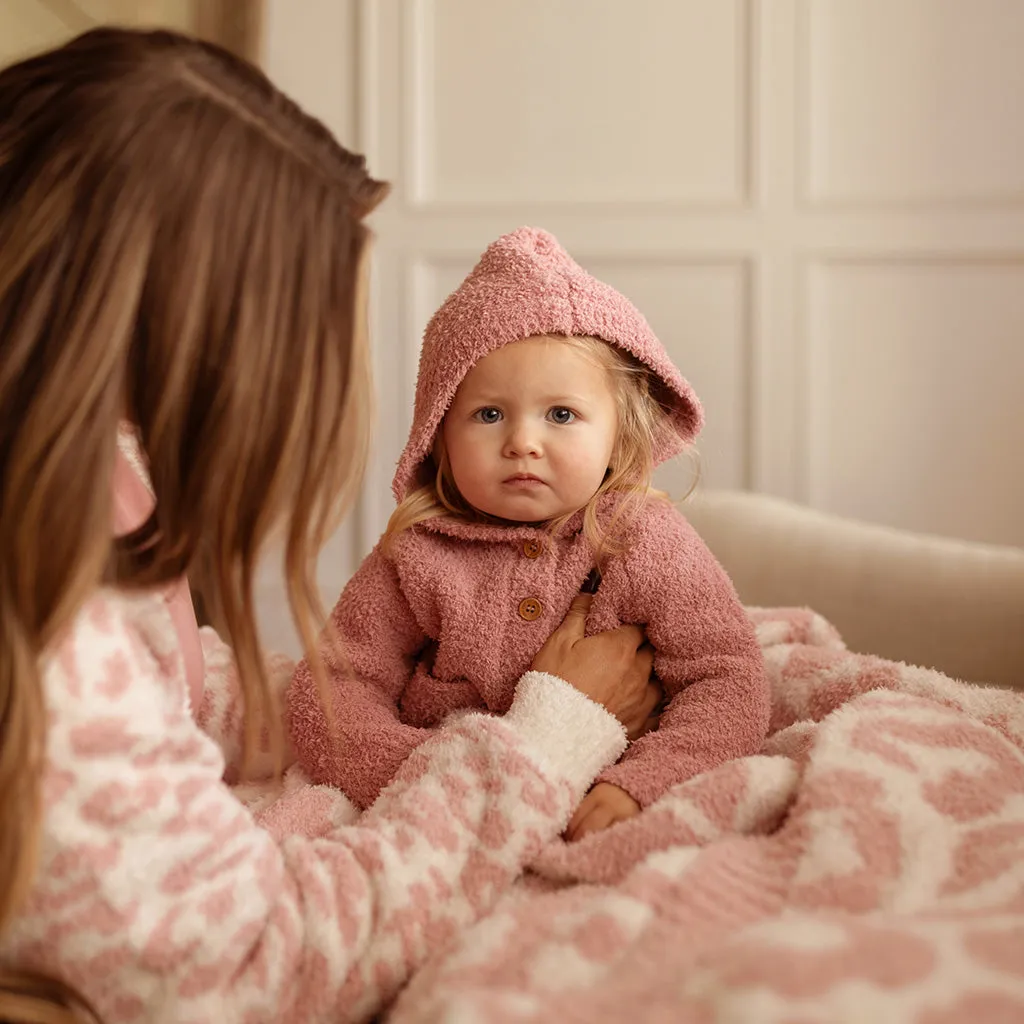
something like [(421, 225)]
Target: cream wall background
[(27, 26), (819, 204)]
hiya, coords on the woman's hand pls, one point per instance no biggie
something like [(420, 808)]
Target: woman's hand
[(612, 668), (644, 718)]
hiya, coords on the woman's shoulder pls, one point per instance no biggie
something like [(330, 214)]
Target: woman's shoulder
[(120, 649)]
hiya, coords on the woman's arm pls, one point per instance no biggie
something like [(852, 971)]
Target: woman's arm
[(159, 898), (220, 714)]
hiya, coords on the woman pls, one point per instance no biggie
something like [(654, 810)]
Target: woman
[(182, 248)]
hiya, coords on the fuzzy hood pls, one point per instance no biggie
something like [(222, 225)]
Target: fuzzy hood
[(526, 284)]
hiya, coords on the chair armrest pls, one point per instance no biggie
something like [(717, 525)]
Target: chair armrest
[(925, 600)]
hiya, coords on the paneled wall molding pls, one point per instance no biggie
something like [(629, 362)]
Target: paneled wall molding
[(911, 366), (910, 105), (527, 50), (818, 204)]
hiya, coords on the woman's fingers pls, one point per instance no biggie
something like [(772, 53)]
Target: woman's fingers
[(632, 636), (574, 624), (639, 720)]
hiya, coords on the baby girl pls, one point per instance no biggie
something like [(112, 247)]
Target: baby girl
[(543, 403)]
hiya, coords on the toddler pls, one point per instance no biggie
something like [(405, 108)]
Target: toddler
[(543, 403)]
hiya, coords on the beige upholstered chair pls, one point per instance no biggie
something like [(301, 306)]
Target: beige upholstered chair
[(947, 604)]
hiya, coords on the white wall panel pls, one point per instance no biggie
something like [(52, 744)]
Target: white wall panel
[(819, 204), (914, 101), (915, 372), (549, 101)]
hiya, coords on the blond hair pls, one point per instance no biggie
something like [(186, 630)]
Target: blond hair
[(641, 419), (182, 244)]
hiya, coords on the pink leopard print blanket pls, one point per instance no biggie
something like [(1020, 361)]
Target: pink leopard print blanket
[(868, 865)]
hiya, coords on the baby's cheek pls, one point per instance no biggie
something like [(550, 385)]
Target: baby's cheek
[(583, 478)]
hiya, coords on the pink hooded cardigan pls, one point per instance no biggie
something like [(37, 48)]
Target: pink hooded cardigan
[(454, 615)]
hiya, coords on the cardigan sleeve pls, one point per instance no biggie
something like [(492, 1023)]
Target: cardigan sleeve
[(369, 662), (706, 656), (159, 898)]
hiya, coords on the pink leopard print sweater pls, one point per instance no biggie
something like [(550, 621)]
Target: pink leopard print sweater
[(160, 899)]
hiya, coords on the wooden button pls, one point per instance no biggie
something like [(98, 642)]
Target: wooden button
[(532, 548), (530, 608)]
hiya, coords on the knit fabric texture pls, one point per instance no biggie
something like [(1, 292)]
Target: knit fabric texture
[(455, 615)]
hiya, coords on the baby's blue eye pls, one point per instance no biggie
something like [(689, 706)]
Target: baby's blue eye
[(487, 415), (560, 415)]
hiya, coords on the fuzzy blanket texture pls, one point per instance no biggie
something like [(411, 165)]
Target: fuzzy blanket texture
[(866, 865)]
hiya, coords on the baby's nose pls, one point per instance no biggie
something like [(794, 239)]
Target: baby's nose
[(522, 441)]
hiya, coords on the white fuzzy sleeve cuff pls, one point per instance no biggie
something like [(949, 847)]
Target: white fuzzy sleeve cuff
[(575, 736)]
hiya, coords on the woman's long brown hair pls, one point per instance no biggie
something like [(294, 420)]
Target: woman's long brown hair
[(181, 246)]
